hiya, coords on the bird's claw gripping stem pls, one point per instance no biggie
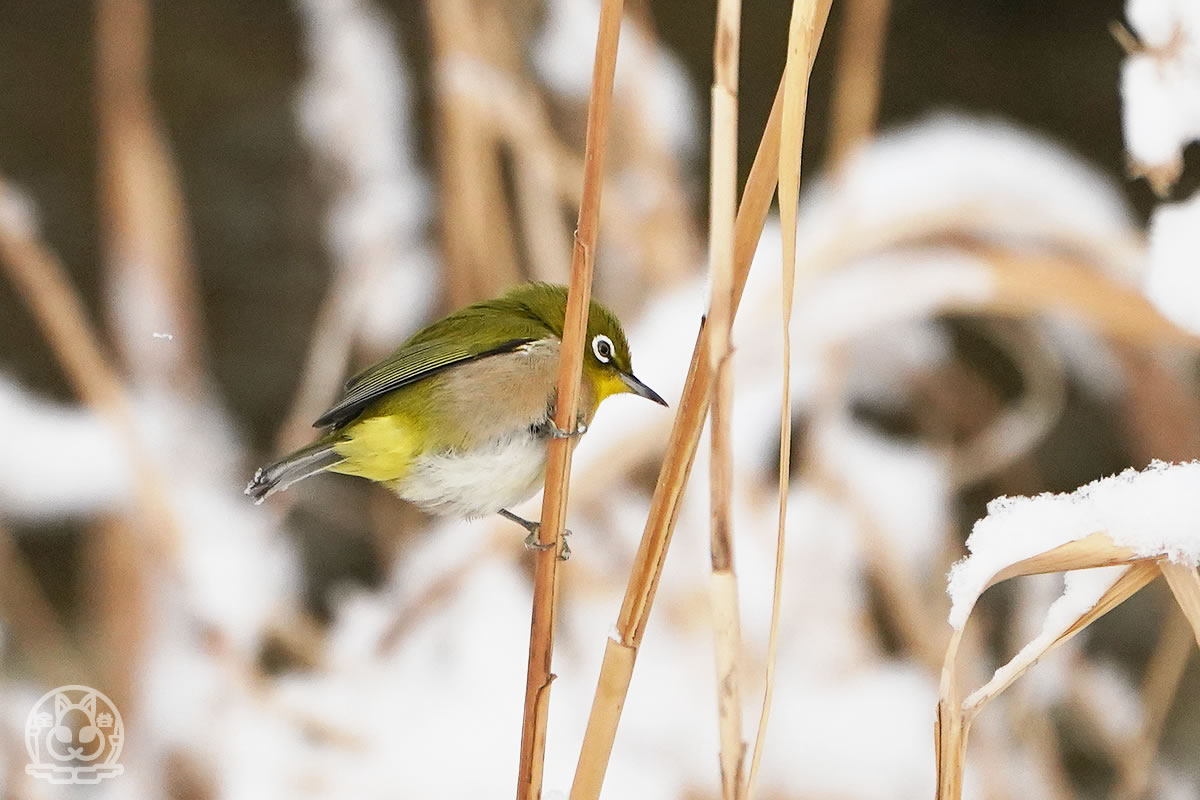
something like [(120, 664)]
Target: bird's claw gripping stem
[(532, 543), (534, 528), (558, 433)]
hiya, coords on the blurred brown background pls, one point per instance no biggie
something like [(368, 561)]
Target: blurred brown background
[(225, 77)]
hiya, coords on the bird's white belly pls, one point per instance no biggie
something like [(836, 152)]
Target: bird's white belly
[(477, 482)]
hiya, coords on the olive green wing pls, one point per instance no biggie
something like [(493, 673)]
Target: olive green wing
[(411, 363)]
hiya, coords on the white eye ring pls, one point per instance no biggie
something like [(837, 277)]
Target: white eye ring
[(602, 348)]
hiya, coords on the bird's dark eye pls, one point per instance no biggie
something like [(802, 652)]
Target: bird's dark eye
[(602, 347)]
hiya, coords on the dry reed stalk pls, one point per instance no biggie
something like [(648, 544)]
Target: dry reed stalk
[(906, 607), (144, 220), (800, 53), (558, 466), (955, 714), (664, 230), (857, 76), (152, 289), (548, 176), (479, 245), (1039, 735), (727, 639), (357, 265), (32, 621), (620, 652), (1164, 674), (518, 118), (1160, 409), (116, 598), (1185, 585), (1026, 282), (43, 284)]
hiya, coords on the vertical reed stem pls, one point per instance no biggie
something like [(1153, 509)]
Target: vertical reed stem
[(801, 46), (616, 671), (722, 210), (558, 468), (857, 76)]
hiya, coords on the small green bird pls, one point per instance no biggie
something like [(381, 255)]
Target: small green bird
[(457, 419)]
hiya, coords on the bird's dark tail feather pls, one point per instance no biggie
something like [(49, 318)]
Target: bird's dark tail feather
[(289, 469)]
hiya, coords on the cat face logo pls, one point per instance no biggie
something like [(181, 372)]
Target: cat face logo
[(74, 734)]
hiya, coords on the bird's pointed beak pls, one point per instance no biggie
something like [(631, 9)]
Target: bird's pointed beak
[(641, 389)]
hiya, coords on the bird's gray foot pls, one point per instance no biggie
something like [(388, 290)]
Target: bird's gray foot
[(534, 528), (558, 433)]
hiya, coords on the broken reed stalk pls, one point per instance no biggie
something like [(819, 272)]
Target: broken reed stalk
[(727, 639), (558, 466), (801, 45), (620, 652), (954, 716)]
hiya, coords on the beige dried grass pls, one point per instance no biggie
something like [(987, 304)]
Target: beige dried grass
[(723, 590), (802, 44), (621, 649), (956, 712)]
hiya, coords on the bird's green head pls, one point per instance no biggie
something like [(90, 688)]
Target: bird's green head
[(607, 363)]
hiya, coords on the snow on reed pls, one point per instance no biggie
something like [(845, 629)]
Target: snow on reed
[(1173, 279), (1151, 512), (1081, 591), (882, 369), (1087, 355), (1160, 86), (354, 108), (40, 484), (870, 304), (904, 489), (652, 77), (239, 573), (982, 176)]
